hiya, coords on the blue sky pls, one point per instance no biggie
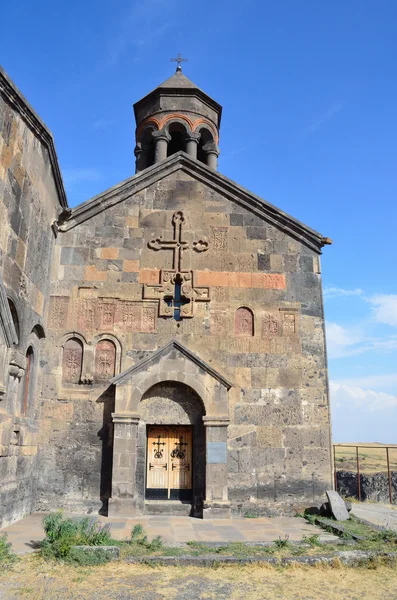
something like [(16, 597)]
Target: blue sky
[(309, 91)]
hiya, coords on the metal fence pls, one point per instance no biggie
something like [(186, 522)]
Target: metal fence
[(357, 458)]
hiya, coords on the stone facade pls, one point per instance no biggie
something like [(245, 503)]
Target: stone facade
[(31, 196), (175, 297)]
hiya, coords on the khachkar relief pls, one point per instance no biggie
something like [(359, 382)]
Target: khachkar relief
[(103, 314), (176, 292)]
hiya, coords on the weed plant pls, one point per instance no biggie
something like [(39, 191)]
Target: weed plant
[(6, 553), (62, 534)]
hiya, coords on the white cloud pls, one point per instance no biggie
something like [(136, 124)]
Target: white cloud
[(72, 177), (381, 382), (341, 341), (336, 292), (355, 397), (385, 308), (102, 124), (324, 118), (344, 341), (145, 18)]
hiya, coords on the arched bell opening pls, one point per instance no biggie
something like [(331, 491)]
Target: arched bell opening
[(171, 446), (207, 150), (145, 149), (177, 140)]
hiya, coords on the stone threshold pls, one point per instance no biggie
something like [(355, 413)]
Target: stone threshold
[(346, 557)]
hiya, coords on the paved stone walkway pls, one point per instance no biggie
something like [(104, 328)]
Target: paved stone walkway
[(380, 515), (26, 533)]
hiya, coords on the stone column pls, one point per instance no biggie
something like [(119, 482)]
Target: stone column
[(123, 500), (216, 503), (161, 139), (212, 160), (212, 152), (140, 162), (192, 140)]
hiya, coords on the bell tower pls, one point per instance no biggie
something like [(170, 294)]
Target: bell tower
[(177, 116)]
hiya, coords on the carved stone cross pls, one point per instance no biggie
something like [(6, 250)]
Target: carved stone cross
[(177, 244), (176, 292)]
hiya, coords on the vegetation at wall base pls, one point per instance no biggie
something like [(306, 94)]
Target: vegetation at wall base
[(6, 553), (62, 534)]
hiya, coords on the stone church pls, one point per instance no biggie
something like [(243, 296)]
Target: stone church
[(162, 344)]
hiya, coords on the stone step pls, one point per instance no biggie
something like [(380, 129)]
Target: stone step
[(167, 507)]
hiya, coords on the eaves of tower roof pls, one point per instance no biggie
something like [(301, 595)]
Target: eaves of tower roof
[(213, 179), (179, 84)]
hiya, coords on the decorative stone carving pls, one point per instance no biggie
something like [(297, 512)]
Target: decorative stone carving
[(289, 324), (166, 293), (72, 361), (148, 319), (87, 314), (107, 310), (244, 322), (131, 316), (270, 325), (24, 287), (176, 291), (219, 238), (58, 311), (217, 324), (105, 360)]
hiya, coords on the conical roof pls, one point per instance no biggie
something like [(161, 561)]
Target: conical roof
[(177, 84), (179, 81)]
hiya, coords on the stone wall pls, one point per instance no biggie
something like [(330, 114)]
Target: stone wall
[(262, 328), (374, 486), (28, 206)]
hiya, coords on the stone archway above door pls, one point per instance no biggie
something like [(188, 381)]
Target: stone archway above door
[(172, 363)]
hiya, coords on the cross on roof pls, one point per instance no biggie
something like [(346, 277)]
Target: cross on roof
[(178, 60)]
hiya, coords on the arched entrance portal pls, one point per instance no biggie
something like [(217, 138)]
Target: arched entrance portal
[(171, 448), (174, 388)]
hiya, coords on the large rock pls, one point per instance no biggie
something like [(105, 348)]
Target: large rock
[(338, 507)]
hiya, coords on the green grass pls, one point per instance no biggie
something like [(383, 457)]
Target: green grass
[(62, 535), (6, 553)]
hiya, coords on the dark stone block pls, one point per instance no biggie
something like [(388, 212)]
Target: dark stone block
[(12, 247), (306, 263), (236, 219), (15, 220), (132, 243), (291, 262), (263, 262), (129, 277), (15, 188), (107, 231), (311, 309), (74, 256), (251, 220), (24, 230), (257, 233)]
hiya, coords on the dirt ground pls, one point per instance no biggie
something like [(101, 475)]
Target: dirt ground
[(33, 579)]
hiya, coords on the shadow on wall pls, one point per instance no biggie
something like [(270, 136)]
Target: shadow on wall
[(105, 434)]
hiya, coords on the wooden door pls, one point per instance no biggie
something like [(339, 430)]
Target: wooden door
[(157, 462), (180, 444), (169, 462)]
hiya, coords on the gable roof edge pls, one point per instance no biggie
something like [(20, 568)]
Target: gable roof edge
[(17, 100), (220, 183), (119, 379)]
